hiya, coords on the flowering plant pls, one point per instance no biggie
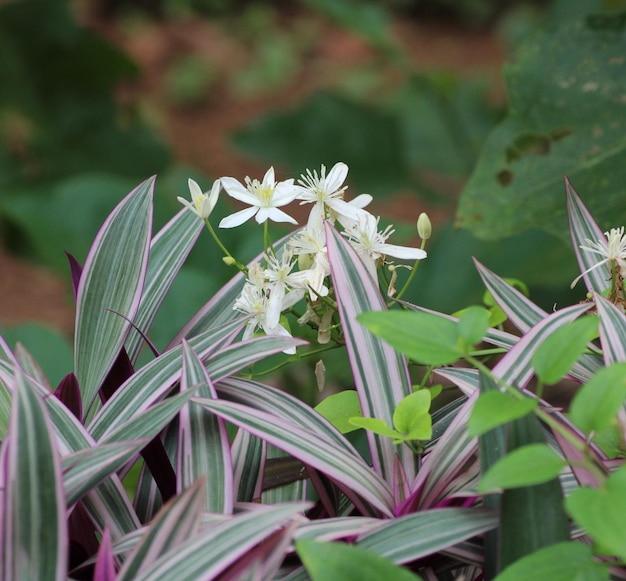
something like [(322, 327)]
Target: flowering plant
[(186, 468)]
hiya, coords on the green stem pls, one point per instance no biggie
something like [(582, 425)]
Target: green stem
[(411, 276), (223, 248)]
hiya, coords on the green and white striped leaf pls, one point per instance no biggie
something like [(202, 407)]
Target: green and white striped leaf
[(111, 283), (203, 446), (583, 228), (150, 422), (168, 251), (108, 503), (447, 468), (211, 551), (352, 474), (524, 314), (33, 535), (380, 373), (153, 381), (241, 355), (515, 368), (84, 470), (612, 330), (275, 401), (418, 535), (175, 523), (248, 454), (333, 529)]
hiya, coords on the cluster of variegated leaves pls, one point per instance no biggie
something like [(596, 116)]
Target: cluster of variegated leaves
[(237, 475), (556, 478), (216, 495), (274, 285)]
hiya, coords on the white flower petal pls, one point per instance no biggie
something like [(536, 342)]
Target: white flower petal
[(361, 201), (238, 218), (404, 252), (277, 215), (269, 178), (194, 188), (336, 176), (262, 215), (236, 190)]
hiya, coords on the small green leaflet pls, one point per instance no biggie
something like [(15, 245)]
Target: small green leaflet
[(495, 408)]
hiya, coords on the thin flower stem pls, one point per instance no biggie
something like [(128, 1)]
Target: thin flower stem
[(411, 276), (267, 241), (223, 248)]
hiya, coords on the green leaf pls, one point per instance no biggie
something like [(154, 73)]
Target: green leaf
[(375, 425), (491, 447), (531, 517), (566, 117), (531, 464), (560, 562), (495, 408), (412, 418), (422, 336), (562, 348), (472, 325), (601, 512), (338, 408), (595, 406), (325, 561)]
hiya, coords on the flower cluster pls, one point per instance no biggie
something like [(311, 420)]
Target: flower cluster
[(300, 270)]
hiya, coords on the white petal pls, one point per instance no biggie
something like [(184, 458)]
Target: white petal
[(236, 190), (361, 201), (277, 215), (336, 176), (238, 218), (269, 178), (280, 331), (194, 188), (215, 192), (403, 252), (344, 210), (284, 194), (262, 215), (188, 205)]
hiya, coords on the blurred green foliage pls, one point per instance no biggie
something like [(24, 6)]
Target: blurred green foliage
[(567, 116)]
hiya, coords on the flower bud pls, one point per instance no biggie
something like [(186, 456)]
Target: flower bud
[(424, 227), (229, 261)]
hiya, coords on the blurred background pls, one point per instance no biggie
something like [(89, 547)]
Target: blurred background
[(471, 110)]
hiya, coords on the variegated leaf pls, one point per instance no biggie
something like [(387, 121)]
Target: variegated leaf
[(380, 373), (111, 282)]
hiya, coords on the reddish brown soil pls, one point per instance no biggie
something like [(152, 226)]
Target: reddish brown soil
[(199, 134)]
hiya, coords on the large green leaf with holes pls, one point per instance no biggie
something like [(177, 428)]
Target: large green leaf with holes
[(567, 116)]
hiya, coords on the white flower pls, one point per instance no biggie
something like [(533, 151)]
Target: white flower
[(310, 246), (613, 249), (254, 301), (286, 288), (201, 204), (327, 191), (263, 197), (372, 246)]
